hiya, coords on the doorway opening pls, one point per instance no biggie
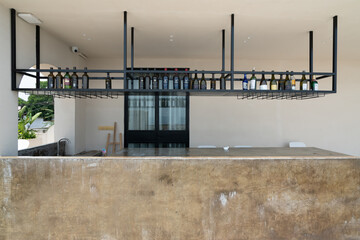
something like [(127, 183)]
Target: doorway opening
[(35, 114)]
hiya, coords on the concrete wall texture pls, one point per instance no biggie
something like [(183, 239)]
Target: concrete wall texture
[(144, 198)]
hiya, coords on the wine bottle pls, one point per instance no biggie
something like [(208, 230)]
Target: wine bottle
[(213, 82), (67, 80), (75, 79), (273, 83), (253, 81), (51, 79), (59, 79), (160, 81), (108, 81), (287, 81), (166, 80), (191, 82), (222, 82), (141, 81), (281, 83), (303, 83), (155, 81), (147, 80), (196, 82), (85, 79), (314, 84), (263, 82), (203, 82), (186, 80), (176, 80), (293, 81), (245, 83), (129, 83)]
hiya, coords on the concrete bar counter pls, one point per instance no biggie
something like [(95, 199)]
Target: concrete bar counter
[(242, 153), (253, 193)]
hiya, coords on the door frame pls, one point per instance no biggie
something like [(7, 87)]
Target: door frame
[(156, 136)]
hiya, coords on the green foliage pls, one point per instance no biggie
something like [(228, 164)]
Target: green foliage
[(24, 122), (43, 104), (21, 102), (43, 84)]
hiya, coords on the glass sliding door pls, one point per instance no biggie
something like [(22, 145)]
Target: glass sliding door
[(172, 113), (141, 111), (156, 121)]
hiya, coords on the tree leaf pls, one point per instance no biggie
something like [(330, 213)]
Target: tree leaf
[(35, 117)]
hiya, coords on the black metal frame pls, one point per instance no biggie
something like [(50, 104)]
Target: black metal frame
[(156, 136), (311, 54), (37, 56), (125, 49), (232, 52), (13, 49), (335, 30), (223, 51), (234, 75)]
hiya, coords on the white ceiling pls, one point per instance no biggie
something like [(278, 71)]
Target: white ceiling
[(272, 29)]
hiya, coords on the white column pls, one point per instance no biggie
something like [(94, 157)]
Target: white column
[(8, 102)]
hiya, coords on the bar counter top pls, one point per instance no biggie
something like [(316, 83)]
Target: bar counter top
[(194, 193), (246, 153)]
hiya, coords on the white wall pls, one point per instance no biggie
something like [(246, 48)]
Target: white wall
[(8, 103), (330, 122), (67, 111), (102, 112), (54, 52)]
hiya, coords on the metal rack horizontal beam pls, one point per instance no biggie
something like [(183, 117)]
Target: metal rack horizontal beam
[(28, 71), (240, 94)]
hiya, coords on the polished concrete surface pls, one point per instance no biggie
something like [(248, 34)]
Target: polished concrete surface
[(300, 197), (230, 152)]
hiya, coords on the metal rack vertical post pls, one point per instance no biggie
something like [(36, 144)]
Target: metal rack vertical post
[(335, 31), (125, 50)]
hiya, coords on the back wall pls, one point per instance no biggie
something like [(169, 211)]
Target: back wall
[(328, 122)]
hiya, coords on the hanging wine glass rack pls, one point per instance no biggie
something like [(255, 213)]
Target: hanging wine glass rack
[(233, 78)]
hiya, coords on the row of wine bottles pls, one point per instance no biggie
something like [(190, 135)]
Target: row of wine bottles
[(174, 81), (166, 81), (289, 83), (67, 81)]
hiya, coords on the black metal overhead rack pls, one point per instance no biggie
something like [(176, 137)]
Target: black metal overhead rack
[(232, 76)]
